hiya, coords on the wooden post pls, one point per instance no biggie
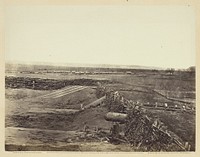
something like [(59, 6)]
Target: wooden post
[(33, 84)]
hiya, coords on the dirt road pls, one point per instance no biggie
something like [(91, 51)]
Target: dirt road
[(64, 91)]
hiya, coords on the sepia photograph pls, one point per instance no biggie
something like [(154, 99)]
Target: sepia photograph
[(101, 78)]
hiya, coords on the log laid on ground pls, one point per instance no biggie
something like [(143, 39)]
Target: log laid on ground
[(53, 111), (116, 117), (96, 102)]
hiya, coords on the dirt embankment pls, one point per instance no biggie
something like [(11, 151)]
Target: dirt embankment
[(47, 84)]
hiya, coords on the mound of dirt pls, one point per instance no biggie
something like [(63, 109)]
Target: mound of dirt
[(47, 84), (93, 117)]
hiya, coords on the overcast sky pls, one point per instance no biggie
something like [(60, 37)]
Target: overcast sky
[(128, 35)]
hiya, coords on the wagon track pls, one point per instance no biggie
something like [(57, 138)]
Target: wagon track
[(63, 92)]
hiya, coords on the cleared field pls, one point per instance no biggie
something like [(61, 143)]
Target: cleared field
[(57, 76), (45, 112)]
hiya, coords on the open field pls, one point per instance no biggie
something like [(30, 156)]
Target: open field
[(48, 111)]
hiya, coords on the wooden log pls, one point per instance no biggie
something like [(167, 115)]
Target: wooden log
[(116, 117), (96, 102)]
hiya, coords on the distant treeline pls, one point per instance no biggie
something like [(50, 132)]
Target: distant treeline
[(117, 69)]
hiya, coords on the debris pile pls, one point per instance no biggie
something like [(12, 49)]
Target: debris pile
[(115, 102), (141, 131)]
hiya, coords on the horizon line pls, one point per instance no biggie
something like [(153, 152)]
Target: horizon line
[(90, 64)]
